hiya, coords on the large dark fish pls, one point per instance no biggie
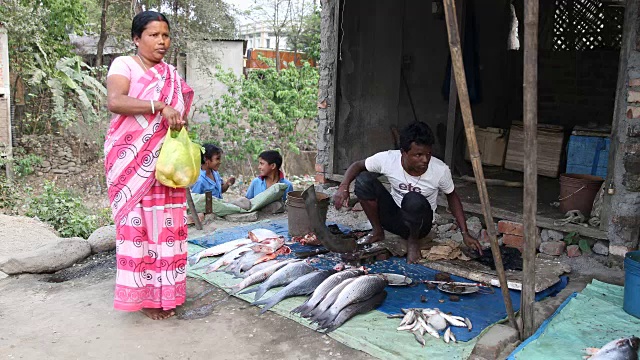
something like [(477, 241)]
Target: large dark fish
[(328, 299), (284, 276), (304, 285), (355, 309), (323, 289), (331, 242), (621, 349), (259, 276), (360, 289)]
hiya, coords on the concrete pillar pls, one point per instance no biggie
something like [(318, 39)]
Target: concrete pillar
[(6, 150)]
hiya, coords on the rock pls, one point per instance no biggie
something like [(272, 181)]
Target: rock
[(246, 217), (448, 234), (47, 259), (573, 251), (45, 164), (439, 220), (601, 248), (457, 237), (363, 226), (474, 227), (444, 228), (242, 202), (554, 248), (103, 239), (544, 235), (484, 238), (494, 341), (3, 275), (275, 207), (59, 171), (555, 235)]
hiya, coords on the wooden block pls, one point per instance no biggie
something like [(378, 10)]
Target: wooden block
[(550, 141)]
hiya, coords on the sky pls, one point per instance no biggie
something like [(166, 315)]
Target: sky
[(241, 5)]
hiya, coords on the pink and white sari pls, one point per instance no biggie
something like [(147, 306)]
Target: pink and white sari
[(150, 220)]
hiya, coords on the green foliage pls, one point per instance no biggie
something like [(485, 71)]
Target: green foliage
[(305, 36), (571, 238), (26, 165), (65, 212), (266, 109), (9, 197)]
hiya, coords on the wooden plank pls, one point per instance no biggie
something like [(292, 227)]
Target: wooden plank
[(541, 221), (474, 153), (530, 200), (549, 150)]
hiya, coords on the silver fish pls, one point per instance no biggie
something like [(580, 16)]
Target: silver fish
[(283, 276), (304, 285), (258, 267), (354, 309), (259, 276), (360, 289), (323, 289), (419, 338), (328, 299), (620, 349), (218, 250), (227, 258)]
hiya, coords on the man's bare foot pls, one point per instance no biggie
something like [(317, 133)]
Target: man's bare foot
[(371, 238), (413, 251), (158, 314)]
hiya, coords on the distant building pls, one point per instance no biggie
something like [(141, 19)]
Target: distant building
[(261, 36)]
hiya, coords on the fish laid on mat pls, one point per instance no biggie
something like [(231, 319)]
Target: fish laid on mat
[(259, 267), (269, 245), (227, 258), (362, 288), (260, 276), (304, 285), (620, 349), (283, 276), (247, 260), (328, 300), (354, 309), (323, 289), (431, 321), (218, 250), (258, 235)]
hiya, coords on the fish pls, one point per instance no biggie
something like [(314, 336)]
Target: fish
[(283, 276), (323, 289), (620, 349), (328, 299), (268, 246), (218, 250), (258, 235), (468, 322), (259, 276), (227, 258), (249, 260), (451, 320), (419, 338), (354, 309), (360, 289), (304, 285), (447, 335), (258, 267)]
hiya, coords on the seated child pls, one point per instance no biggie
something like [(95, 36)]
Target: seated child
[(269, 173), (210, 179)]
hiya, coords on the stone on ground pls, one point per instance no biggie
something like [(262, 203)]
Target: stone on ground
[(275, 207), (21, 234), (573, 251), (491, 344), (555, 235), (554, 248), (601, 248), (474, 227), (47, 259), (103, 239), (247, 217)]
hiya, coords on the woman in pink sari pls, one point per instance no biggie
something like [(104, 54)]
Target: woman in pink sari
[(147, 98)]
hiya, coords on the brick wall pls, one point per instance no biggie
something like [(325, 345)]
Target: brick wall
[(577, 87)]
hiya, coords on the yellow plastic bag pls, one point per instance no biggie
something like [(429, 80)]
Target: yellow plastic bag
[(178, 164)]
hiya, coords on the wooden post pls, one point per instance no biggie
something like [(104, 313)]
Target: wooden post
[(474, 153), (453, 99), (530, 111), (192, 209)]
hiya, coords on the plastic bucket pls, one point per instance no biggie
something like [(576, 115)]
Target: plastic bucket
[(632, 283), (298, 220), (577, 192)]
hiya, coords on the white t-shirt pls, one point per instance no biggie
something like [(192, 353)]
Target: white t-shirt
[(437, 177)]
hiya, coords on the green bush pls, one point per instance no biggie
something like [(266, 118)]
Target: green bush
[(65, 212), (26, 165), (9, 197)]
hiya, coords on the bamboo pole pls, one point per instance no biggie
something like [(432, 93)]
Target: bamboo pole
[(474, 153), (530, 110)]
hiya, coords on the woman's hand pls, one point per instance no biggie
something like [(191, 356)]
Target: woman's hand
[(231, 181), (173, 117)]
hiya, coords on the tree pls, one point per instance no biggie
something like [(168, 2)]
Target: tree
[(303, 34), (277, 14)]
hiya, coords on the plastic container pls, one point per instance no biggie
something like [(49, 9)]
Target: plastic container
[(588, 155), (298, 220), (577, 192), (631, 302)]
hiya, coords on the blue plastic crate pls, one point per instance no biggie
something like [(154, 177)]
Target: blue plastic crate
[(588, 155)]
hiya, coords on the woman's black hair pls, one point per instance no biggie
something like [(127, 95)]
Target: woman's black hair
[(141, 20), (272, 157), (209, 151), (417, 132)]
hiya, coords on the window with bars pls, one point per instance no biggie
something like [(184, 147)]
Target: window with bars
[(585, 25)]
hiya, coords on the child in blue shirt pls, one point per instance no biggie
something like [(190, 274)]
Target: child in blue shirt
[(269, 165), (210, 179)]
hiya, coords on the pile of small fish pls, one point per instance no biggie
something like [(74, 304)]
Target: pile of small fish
[(432, 321), (337, 294)]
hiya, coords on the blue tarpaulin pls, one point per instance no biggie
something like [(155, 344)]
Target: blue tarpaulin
[(482, 309)]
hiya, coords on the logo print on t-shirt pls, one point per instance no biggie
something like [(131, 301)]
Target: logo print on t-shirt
[(409, 187)]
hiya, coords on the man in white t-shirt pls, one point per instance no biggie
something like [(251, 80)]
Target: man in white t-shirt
[(415, 177)]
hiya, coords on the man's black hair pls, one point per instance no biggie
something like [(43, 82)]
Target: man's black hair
[(141, 21), (209, 151), (417, 132), (272, 157)]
